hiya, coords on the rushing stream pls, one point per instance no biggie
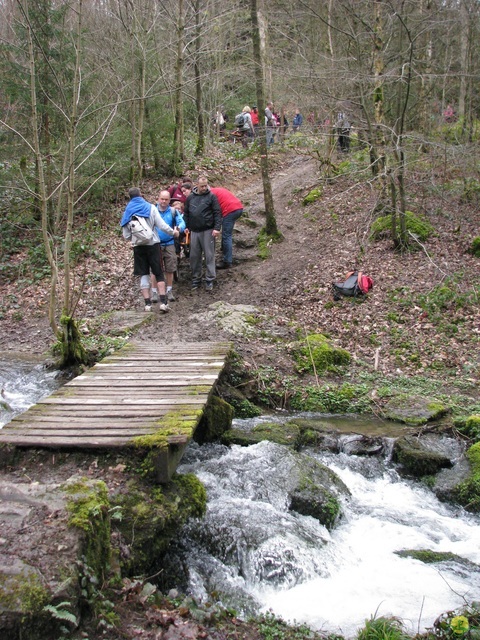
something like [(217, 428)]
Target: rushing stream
[(256, 555), (259, 556), (22, 383)]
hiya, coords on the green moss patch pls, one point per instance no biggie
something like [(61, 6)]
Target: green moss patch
[(312, 196), (428, 556), (467, 493), (88, 507), (421, 228), (316, 355)]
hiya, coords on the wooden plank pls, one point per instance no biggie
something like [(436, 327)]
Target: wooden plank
[(87, 442), (101, 418), (199, 399)]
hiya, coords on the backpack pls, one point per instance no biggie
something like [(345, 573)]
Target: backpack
[(356, 283), (142, 232), (240, 120)]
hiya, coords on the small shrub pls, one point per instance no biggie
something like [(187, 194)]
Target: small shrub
[(382, 629), (475, 247), (447, 297)]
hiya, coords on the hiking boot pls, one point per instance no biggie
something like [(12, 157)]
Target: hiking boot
[(164, 308), (224, 265), (195, 286), (148, 307), (209, 286), (154, 296), (170, 296)]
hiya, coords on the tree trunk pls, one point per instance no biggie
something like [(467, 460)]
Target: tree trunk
[(178, 147), (271, 221), (464, 29), (198, 84), (41, 186)]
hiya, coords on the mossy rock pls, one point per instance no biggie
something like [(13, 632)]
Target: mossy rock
[(312, 196), (317, 493), (242, 407), (22, 600), (88, 507), (467, 493), (421, 228), (475, 247), (286, 434), (416, 459), (316, 433), (152, 517), (427, 556), (319, 355), (216, 420), (414, 410)]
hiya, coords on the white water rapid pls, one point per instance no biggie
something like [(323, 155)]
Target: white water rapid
[(259, 556), (22, 383)]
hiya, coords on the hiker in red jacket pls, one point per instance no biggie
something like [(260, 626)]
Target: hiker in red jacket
[(232, 209)]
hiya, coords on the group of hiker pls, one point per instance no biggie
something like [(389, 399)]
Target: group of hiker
[(188, 214), (248, 123)]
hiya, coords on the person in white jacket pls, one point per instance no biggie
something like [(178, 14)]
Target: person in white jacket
[(146, 257)]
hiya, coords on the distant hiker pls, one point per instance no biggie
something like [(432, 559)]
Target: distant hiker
[(270, 123), (203, 218), (297, 121), (146, 256), (255, 120), (174, 219), (232, 209), (449, 114), (244, 124), (342, 127), (175, 190)]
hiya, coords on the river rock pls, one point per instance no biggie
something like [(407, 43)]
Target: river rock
[(318, 492), (419, 457), (414, 410)]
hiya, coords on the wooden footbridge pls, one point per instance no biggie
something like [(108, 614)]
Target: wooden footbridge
[(144, 395)]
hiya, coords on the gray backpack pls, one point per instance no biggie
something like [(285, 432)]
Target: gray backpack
[(142, 232)]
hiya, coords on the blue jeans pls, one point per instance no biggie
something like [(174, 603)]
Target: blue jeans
[(228, 222)]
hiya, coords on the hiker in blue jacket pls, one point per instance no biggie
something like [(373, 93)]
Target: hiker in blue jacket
[(173, 219), (297, 120), (146, 257)]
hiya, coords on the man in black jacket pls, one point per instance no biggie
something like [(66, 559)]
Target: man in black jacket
[(203, 218)]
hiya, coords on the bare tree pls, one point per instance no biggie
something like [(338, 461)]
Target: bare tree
[(258, 56), (74, 152)]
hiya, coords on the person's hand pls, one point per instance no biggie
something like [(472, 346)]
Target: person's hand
[(176, 232), (215, 233)]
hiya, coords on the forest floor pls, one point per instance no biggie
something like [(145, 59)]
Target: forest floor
[(419, 323)]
